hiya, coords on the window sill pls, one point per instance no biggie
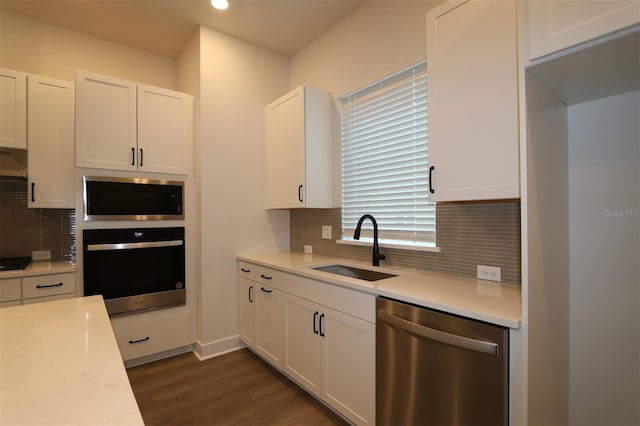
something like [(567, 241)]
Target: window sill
[(400, 245)]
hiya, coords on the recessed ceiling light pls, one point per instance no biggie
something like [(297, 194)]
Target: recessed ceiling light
[(220, 4)]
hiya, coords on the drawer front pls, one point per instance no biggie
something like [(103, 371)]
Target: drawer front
[(48, 285), (153, 332), (268, 276), (48, 298), (10, 290), (351, 302), (246, 270)]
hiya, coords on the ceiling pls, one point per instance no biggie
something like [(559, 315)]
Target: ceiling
[(165, 26)]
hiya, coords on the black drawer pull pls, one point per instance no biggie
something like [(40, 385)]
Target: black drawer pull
[(49, 285), (133, 342), (141, 157), (266, 277), (300, 193), (266, 290), (33, 192), (133, 156), (251, 294), (246, 271), (315, 318)]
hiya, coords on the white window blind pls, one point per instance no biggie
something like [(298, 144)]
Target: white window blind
[(384, 159)]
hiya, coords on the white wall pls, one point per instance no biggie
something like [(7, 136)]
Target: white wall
[(377, 39), (604, 210), (237, 80), (36, 47)]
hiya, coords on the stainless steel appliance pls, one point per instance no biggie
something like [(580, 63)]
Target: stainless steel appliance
[(434, 368), (135, 269), (118, 198)]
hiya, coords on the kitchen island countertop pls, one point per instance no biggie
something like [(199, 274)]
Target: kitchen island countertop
[(487, 301), (60, 365)]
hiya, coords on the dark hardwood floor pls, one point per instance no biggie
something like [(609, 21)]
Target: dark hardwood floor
[(233, 389)]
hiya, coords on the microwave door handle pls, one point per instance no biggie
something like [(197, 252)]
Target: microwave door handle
[(128, 246)]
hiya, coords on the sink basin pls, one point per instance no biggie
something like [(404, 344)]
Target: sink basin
[(353, 272)]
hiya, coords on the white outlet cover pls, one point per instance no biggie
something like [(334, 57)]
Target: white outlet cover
[(490, 273), (326, 232), (308, 249)]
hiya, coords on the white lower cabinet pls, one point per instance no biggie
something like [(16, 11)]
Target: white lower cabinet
[(247, 313), (268, 323), (37, 289), (332, 355), (320, 335), (151, 332)]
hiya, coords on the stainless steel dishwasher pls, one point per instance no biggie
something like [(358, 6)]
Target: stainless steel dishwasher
[(434, 368)]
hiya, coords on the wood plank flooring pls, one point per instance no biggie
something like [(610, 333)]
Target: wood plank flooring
[(237, 388)]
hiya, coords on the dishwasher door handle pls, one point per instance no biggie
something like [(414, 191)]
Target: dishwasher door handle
[(439, 336)]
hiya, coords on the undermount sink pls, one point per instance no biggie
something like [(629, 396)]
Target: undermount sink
[(353, 272)]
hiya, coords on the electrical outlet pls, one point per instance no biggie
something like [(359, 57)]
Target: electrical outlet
[(308, 249), (326, 232), (41, 255), (491, 273)]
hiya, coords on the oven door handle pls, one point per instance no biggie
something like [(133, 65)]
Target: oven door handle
[(128, 246)]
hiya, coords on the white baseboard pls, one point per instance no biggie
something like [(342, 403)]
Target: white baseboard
[(219, 347)]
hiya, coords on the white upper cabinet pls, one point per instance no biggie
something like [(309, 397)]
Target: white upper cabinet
[(13, 109), (472, 86), (165, 130), (122, 125), (51, 143), (298, 150), (555, 25)]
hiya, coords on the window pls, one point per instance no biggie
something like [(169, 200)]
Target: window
[(384, 159)]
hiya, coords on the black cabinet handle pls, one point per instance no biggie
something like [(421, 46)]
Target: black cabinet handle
[(49, 285), (132, 342), (266, 277), (245, 270), (315, 318), (33, 192), (300, 193), (321, 318), (266, 290), (431, 169), (133, 156), (141, 157), (251, 294)]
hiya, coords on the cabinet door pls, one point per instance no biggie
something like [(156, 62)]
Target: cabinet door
[(473, 103), (105, 122), (51, 143), (285, 151), (556, 25), (349, 366), (269, 324), (302, 342), (246, 297), (165, 130), (13, 109)]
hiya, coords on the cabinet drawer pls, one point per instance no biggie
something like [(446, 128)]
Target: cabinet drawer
[(10, 290), (48, 285), (246, 270), (342, 299), (152, 332), (268, 276)]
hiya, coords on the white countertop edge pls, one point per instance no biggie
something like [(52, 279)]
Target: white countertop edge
[(312, 260)]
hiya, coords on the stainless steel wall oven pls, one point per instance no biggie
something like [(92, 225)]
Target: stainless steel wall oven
[(135, 269)]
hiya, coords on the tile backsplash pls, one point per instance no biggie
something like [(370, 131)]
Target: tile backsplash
[(468, 234), (23, 230)]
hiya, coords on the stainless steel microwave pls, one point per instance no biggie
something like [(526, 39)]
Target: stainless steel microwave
[(117, 198)]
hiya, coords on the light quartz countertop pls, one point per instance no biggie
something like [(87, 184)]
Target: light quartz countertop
[(487, 301), (40, 267), (60, 365)]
